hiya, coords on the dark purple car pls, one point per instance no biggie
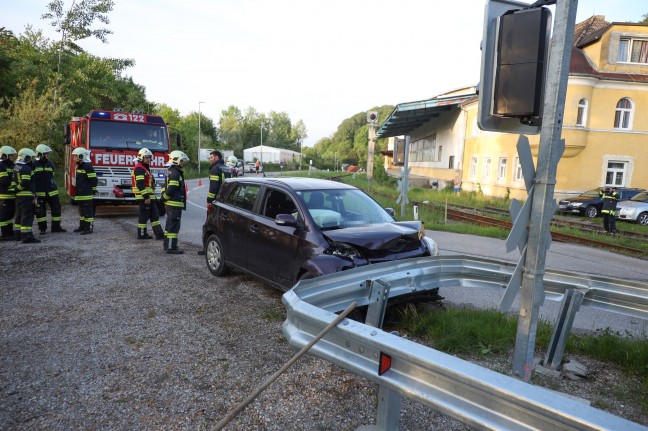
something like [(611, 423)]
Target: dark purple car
[(282, 230)]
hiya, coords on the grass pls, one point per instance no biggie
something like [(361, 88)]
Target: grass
[(470, 332)]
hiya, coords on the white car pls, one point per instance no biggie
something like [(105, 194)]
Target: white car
[(635, 209), (251, 167)]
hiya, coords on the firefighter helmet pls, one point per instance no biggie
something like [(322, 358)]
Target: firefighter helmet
[(177, 157), (25, 155), (6, 151), (81, 154), (144, 152), (41, 150), (231, 161)]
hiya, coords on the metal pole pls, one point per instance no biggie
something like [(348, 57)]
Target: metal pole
[(370, 153), (405, 177), (261, 156), (301, 145), (199, 103), (542, 209)]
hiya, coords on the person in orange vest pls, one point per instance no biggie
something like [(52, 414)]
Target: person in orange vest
[(144, 190), (257, 165)]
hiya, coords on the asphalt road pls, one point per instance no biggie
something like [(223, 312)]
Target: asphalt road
[(564, 257)]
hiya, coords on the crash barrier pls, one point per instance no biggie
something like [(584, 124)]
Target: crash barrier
[(476, 396)]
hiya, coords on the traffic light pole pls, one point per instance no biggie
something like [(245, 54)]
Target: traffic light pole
[(543, 206)]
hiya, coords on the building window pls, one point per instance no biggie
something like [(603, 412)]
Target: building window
[(473, 167), (501, 169), (633, 50), (581, 116), (423, 150), (623, 114), (487, 167), (518, 170), (451, 162), (615, 173)]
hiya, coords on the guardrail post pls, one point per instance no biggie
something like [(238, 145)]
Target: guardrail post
[(571, 303), (389, 401)]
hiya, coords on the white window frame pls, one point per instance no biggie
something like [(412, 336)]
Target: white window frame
[(518, 170), (501, 169), (488, 162), (624, 115), (424, 149), (581, 113), (473, 167), (618, 174), (625, 50)]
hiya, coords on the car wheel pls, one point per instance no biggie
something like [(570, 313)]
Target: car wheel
[(591, 211), (642, 219), (214, 256)]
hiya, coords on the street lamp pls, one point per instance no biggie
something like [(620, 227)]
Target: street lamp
[(199, 103)]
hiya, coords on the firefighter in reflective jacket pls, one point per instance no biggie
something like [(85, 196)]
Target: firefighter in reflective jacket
[(7, 192), (610, 198), (144, 190), (85, 188), (175, 199), (26, 201), (46, 190), (215, 174)]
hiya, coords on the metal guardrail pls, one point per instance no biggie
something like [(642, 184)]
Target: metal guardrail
[(476, 396)]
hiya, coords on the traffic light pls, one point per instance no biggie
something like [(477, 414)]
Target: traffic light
[(515, 48)]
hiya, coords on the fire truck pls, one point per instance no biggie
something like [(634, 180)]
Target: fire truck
[(114, 139)]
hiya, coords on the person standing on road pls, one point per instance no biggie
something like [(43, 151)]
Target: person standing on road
[(144, 190), (26, 200), (257, 165), (86, 187), (46, 190), (175, 198), (216, 175), (610, 198), (7, 192)]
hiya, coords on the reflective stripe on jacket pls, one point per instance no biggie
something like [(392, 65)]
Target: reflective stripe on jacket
[(24, 184), (86, 182), (7, 180), (43, 176), (143, 183), (175, 194)]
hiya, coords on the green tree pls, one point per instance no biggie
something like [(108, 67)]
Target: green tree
[(75, 24), (34, 117), (644, 19)]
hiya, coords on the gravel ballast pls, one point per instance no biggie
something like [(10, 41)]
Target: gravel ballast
[(105, 332)]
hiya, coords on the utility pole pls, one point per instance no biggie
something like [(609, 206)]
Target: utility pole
[(199, 103)]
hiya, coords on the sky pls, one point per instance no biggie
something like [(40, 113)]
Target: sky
[(319, 61)]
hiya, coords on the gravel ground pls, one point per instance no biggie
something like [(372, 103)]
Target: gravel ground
[(107, 332)]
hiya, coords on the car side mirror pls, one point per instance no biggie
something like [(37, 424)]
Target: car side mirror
[(285, 220), (390, 211)]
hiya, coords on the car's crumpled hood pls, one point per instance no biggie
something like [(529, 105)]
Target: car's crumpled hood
[(377, 236)]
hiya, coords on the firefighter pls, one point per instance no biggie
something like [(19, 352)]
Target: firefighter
[(610, 198), (26, 200), (231, 164), (46, 190), (175, 199), (86, 187), (144, 189), (215, 174), (7, 192)]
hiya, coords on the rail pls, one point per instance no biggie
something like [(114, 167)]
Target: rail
[(476, 396)]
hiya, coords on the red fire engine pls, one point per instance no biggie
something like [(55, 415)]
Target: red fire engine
[(113, 139)]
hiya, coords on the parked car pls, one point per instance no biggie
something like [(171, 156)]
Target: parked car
[(589, 203), (635, 209), (282, 230), (251, 167)]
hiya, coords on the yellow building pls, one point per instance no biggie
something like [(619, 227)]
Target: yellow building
[(605, 123)]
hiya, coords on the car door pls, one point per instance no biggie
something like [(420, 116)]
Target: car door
[(272, 248), (234, 217)]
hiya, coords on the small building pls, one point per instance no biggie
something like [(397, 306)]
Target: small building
[(266, 154)]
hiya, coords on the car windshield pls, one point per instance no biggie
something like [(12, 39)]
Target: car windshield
[(641, 197), (591, 193), (128, 136), (335, 209)]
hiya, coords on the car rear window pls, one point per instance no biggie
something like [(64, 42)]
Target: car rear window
[(243, 196)]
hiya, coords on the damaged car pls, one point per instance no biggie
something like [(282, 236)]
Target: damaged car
[(282, 230)]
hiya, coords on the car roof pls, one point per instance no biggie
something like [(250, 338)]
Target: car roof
[(296, 183)]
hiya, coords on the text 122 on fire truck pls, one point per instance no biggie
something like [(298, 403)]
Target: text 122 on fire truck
[(113, 139)]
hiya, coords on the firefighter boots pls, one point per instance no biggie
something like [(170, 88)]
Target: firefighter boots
[(7, 233), (87, 228), (159, 233), (28, 238), (173, 247), (42, 227), (165, 244), (16, 235), (143, 234), (56, 227)]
